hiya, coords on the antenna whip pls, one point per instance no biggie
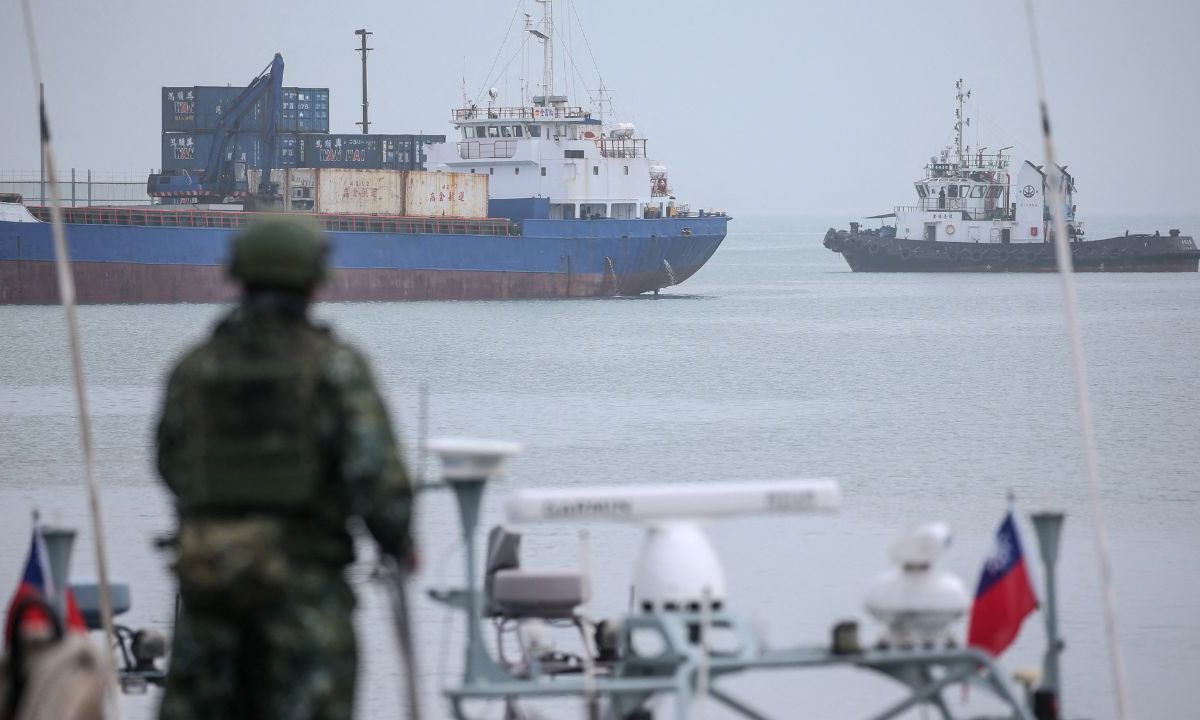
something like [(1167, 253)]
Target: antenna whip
[(1066, 271), (66, 292)]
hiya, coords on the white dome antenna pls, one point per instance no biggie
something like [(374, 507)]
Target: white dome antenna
[(917, 603)]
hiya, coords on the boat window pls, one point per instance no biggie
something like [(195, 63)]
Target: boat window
[(543, 172), (468, 132), (516, 131), (952, 191), (493, 131), (535, 131), (516, 171), (994, 191), (595, 169), (573, 154), (976, 191), (964, 191), (626, 169), (505, 131), (921, 191)]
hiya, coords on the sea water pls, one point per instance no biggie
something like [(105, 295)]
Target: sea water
[(929, 397)]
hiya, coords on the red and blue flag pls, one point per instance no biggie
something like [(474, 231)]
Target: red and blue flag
[(1005, 595), (37, 582)]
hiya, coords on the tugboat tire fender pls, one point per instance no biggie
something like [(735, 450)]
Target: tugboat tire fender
[(873, 247), (905, 253), (952, 254), (976, 254)]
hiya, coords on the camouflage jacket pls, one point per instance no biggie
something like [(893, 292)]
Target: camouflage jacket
[(356, 465)]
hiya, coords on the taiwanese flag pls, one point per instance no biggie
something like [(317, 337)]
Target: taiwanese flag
[(38, 583), (1005, 595)]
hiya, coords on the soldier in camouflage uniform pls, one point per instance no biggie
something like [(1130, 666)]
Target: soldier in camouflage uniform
[(272, 436)]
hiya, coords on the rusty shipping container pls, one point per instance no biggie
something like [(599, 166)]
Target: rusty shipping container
[(359, 192), (443, 194)]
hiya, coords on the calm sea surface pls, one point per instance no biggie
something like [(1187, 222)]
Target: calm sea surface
[(928, 397)]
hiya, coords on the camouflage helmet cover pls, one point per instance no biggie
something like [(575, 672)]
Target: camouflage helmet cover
[(280, 252)]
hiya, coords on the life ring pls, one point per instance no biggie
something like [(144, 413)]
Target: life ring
[(949, 229)]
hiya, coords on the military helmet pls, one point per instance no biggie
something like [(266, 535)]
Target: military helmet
[(280, 252)]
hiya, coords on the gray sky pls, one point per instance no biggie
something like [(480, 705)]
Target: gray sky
[(774, 108)]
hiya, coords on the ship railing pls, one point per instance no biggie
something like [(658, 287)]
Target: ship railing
[(483, 149), (954, 205), (541, 112), (621, 147), (232, 220)]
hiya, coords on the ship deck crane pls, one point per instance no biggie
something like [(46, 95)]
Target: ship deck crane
[(223, 179)]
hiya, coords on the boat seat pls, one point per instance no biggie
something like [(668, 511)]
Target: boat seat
[(87, 597), (516, 593)]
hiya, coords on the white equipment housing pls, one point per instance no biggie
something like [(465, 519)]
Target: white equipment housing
[(466, 459), (917, 603), (677, 567)]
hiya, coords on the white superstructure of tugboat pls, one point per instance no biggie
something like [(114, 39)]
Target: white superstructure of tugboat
[(975, 213)]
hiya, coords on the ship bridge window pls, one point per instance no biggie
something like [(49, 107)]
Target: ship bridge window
[(516, 130), (535, 131), (922, 191), (964, 191), (505, 131), (952, 191), (994, 191), (976, 191), (493, 131)]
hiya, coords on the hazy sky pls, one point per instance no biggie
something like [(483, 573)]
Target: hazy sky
[(758, 108)]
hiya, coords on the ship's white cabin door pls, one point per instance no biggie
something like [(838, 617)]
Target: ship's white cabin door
[(972, 234)]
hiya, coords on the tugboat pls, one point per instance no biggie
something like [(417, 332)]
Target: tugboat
[(971, 217)]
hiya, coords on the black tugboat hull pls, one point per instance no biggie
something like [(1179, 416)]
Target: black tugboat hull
[(870, 252)]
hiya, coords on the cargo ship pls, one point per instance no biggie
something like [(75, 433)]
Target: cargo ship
[(971, 216), (538, 200)]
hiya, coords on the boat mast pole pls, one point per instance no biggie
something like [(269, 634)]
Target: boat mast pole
[(1066, 270), (548, 48), (66, 293), (364, 50)]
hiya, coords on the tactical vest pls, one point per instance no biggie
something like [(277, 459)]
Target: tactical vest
[(252, 441)]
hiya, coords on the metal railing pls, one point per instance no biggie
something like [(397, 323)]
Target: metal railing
[(477, 149), (80, 188), (621, 147), (932, 205), (228, 219), (540, 112)]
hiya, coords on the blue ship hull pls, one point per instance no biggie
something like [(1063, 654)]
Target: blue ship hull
[(139, 263)]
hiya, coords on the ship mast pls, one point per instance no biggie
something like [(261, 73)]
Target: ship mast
[(545, 34), (960, 122)]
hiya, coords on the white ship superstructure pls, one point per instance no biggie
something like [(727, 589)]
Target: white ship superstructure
[(549, 148), (968, 196)]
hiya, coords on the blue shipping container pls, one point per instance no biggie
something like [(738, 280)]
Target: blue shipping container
[(186, 109), (368, 152), (190, 151)]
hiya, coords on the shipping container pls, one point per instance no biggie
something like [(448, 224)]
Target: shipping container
[(368, 152), (360, 192), (190, 151), (442, 194), (202, 107)]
